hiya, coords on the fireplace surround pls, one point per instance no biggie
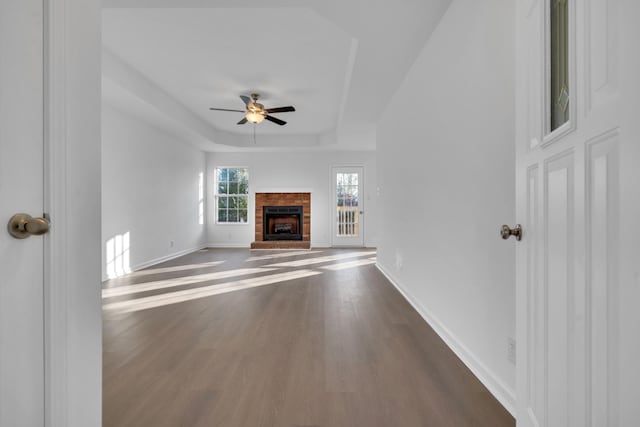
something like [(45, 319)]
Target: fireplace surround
[(285, 235)]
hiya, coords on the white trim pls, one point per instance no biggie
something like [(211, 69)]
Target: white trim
[(56, 258), (348, 77), (166, 258), (226, 224), (283, 190), (332, 205), (228, 245), (323, 245), (505, 395)]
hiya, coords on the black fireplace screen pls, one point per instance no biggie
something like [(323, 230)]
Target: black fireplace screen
[(282, 222)]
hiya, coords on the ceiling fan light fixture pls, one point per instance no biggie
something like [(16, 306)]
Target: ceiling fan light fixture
[(254, 117)]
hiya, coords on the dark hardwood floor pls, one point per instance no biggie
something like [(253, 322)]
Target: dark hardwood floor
[(272, 338)]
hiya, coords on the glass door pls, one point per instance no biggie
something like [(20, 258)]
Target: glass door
[(348, 224)]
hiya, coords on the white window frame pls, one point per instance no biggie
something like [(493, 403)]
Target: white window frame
[(217, 196)]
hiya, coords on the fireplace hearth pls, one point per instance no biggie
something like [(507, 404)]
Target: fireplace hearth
[(282, 223)]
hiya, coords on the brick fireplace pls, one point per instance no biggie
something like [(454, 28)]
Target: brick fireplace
[(283, 221)]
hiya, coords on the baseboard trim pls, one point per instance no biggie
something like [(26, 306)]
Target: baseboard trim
[(165, 258), (248, 245), (497, 387), (228, 245)]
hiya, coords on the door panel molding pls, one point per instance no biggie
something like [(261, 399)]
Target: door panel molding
[(601, 53), (559, 196), (536, 343), (601, 278)]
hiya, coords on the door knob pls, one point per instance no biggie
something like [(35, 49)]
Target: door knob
[(23, 225), (506, 232)]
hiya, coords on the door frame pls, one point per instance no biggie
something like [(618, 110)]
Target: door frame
[(56, 262), (332, 214), (73, 351)]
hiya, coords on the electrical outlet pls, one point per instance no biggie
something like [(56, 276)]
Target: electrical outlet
[(511, 350)]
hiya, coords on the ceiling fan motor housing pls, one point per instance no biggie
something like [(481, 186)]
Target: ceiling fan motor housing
[(255, 107)]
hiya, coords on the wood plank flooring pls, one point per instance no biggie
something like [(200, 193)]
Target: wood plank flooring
[(234, 338)]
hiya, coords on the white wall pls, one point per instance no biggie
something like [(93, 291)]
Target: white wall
[(150, 185), (446, 178), (293, 172)]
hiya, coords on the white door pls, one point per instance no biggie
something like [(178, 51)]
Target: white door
[(347, 210), (21, 190), (576, 165)]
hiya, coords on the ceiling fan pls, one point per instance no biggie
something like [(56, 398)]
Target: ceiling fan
[(255, 112)]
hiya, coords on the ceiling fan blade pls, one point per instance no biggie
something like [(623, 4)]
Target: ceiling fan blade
[(225, 109), (245, 99), (275, 120), (243, 121), (280, 109)]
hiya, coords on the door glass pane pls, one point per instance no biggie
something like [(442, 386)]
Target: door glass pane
[(347, 215), (559, 55)]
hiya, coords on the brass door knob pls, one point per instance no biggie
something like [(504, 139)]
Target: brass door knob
[(23, 225), (506, 232)]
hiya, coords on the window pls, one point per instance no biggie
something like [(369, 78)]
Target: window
[(232, 195), (559, 63), (201, 199), (118, 250)]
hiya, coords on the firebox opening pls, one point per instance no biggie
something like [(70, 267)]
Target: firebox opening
[(282, 223)]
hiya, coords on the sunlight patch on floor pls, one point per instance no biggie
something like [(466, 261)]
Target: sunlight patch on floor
[(349, 264), (175, 268), (283, 255), (180, 281), (320, 260), (204, 291)]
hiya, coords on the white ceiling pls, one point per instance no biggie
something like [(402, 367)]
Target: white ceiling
[(338, 62)]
